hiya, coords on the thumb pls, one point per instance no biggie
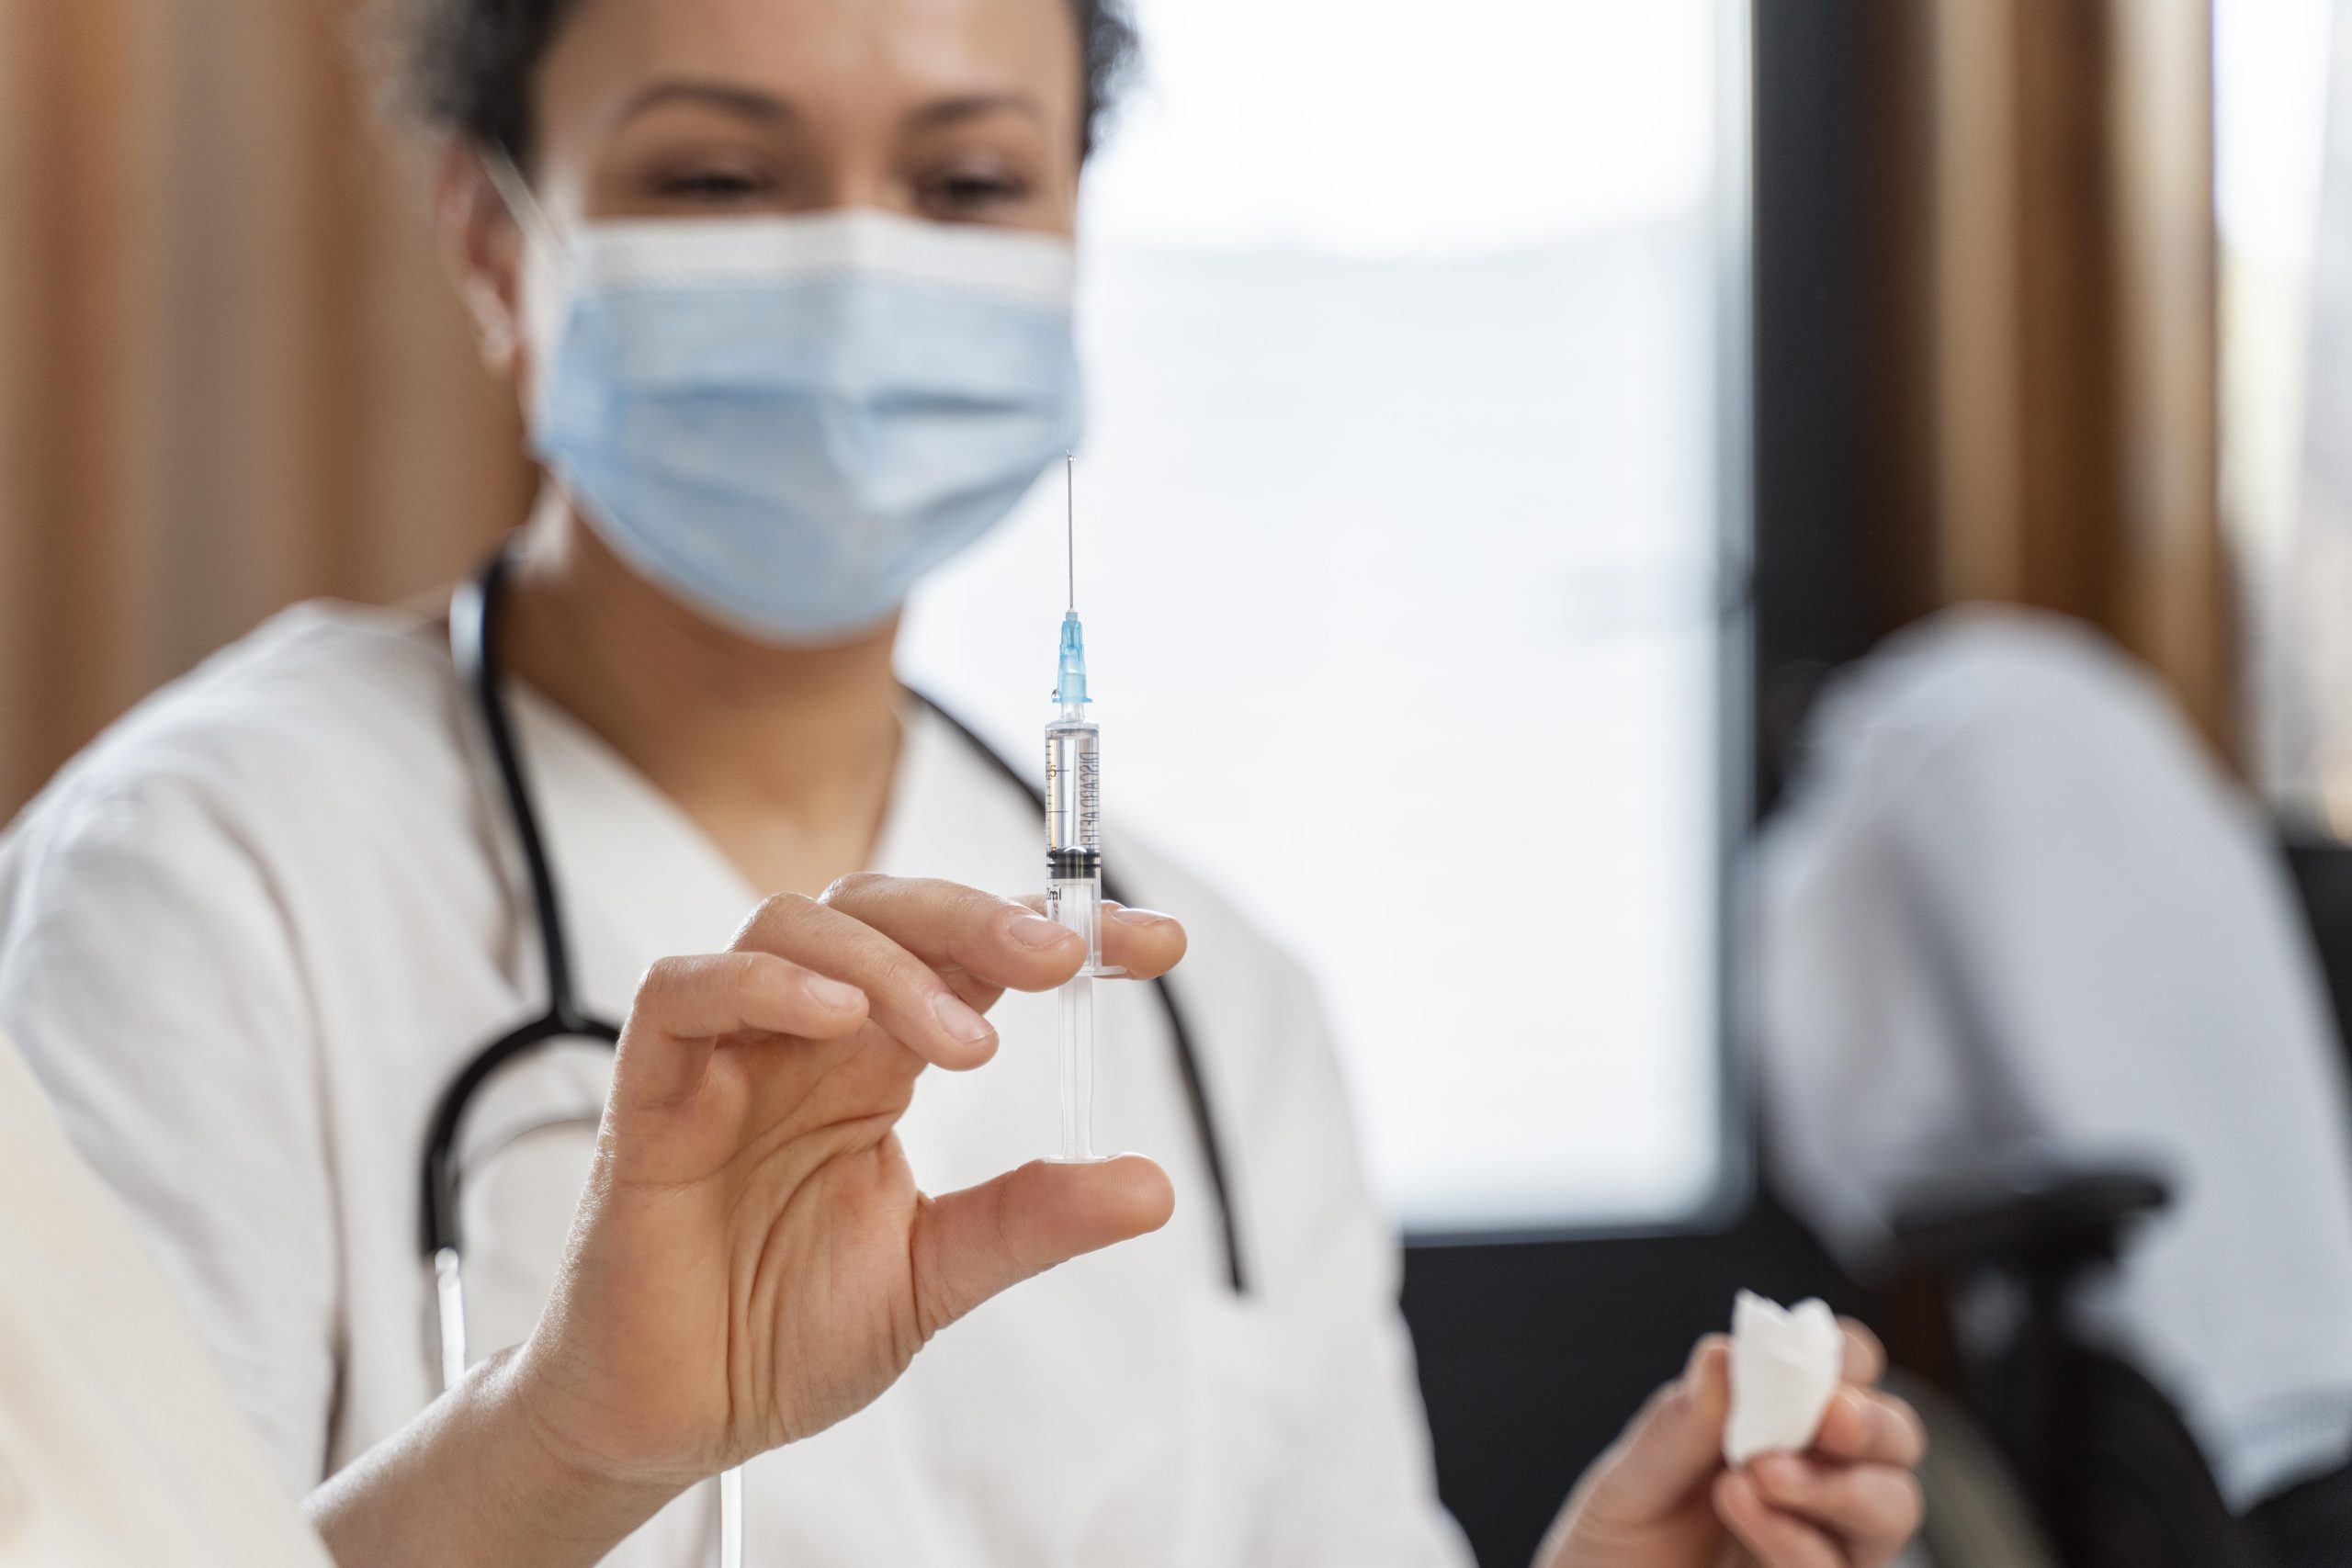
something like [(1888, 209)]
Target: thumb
[(1673, 1449), (969, 1245)]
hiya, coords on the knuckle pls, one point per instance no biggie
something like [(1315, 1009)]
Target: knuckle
[(666, 977), (786, 907), (852, 885), (777, 912), (754, 968)]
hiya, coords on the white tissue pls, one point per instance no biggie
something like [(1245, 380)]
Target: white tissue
[(1786, 1364)]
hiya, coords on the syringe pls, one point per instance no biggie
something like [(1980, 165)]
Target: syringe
[(1074, 858)]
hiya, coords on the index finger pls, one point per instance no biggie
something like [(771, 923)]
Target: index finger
[(1144, 943), (1000, 942), (904, 992)]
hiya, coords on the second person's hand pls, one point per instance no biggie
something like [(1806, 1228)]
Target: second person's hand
[(1661, 1497), (752, 1261)]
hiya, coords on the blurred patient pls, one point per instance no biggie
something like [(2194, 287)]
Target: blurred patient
[(2012, 908)]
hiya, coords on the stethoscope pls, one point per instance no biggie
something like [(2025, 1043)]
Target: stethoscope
[(474, 628)]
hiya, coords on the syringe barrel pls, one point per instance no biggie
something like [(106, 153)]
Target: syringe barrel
[(1073, 790), (1074, 899), (1075, 903)]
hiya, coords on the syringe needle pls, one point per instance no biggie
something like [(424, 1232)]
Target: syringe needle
[(1070, 494)]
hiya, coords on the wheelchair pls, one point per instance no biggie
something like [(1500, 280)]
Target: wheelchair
[(2053, 1450), (2048, 1449)]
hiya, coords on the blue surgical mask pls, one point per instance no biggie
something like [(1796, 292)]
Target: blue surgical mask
[(785, 423)]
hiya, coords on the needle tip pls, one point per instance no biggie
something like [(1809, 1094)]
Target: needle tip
[(1070, 494)]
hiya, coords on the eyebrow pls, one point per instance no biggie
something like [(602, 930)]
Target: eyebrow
[(747, 102), (972, 105)]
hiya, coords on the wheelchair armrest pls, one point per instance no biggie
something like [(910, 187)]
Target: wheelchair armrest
[(2039, 1219)]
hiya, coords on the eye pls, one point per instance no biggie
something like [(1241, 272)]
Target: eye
[(714, 186), (973, 191)]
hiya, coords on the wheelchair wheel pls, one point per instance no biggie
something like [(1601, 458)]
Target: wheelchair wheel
[(1978, 1514)]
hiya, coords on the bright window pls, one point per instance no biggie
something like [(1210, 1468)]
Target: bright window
[(2283, 194), (1401, 556)]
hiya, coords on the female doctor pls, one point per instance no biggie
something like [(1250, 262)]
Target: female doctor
[(784, 287)]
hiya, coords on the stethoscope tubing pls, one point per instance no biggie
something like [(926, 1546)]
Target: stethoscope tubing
[(474, 628)]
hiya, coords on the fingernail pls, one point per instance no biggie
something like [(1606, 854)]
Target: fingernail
[(834, 995), (1035, 931), (1777, 1473), (960, 1020), (1138, 917)]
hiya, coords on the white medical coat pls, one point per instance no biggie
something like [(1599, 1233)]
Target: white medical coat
[(248, 936), (117, 1442)]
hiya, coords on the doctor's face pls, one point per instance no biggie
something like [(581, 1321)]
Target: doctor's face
[(953, 111), (958, 112)]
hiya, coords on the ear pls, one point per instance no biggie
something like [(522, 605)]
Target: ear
[(484, 247)]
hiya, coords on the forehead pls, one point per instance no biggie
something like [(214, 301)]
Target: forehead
[(822, 54)]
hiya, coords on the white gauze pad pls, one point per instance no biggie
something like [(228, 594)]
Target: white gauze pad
[(1786, 1364)]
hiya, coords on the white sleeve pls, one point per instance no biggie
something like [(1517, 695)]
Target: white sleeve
[(101, 1379), (1363, 1491), (151, 981)]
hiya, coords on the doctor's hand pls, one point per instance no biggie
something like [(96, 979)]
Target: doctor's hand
[(752, 1261), (1662, 1497)]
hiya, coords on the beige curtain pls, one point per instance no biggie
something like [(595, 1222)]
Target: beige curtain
[(233, 373), (2054, 348)]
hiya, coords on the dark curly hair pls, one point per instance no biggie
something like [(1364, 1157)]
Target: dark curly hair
[(466, 65)]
